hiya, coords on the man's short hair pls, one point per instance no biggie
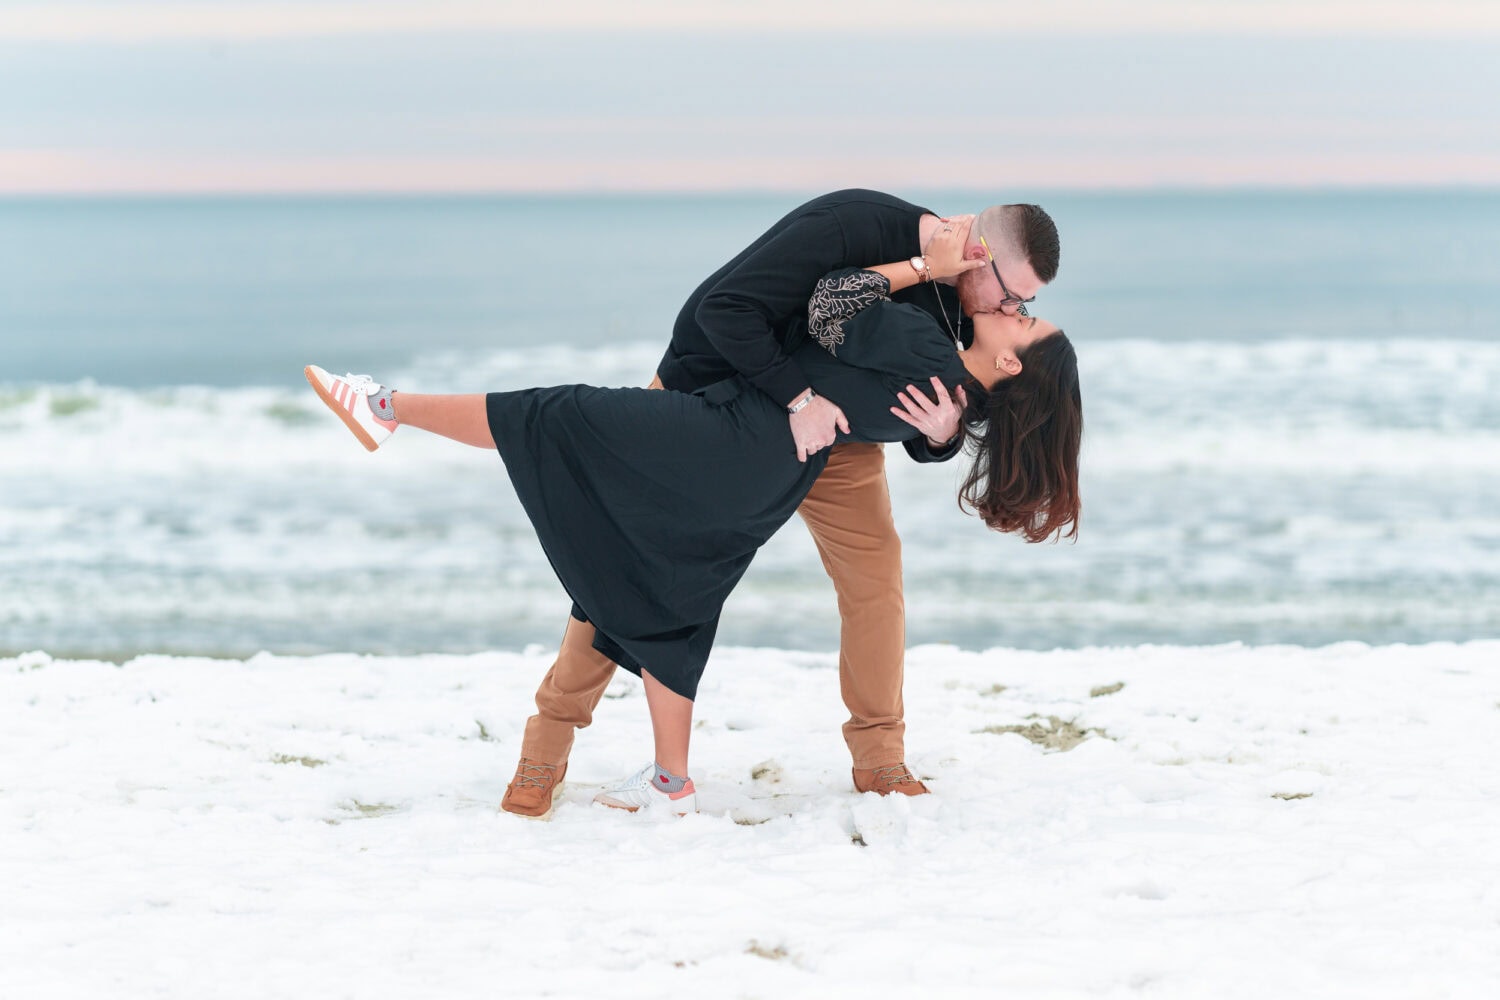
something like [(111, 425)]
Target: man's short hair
[(1023, 232)]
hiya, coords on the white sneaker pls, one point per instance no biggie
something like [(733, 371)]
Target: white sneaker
[(637, 794), (350, 398)]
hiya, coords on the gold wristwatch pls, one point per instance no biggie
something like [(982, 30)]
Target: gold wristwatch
[(919, 264)]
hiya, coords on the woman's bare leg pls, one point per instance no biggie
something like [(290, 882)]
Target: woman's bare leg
[(671, 725), (460, 418), (465, 419)]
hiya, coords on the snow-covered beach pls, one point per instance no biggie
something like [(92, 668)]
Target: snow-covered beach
[(1235, 822)]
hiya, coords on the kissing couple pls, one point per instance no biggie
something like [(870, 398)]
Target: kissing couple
[(856, 320)]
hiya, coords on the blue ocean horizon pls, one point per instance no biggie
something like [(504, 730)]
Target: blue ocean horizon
[(224, 290), (1292, 408)]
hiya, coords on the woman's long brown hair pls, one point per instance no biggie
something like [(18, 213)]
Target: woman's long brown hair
[(1026, 433)]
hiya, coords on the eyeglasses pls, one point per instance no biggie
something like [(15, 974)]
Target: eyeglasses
[(1011, 299)]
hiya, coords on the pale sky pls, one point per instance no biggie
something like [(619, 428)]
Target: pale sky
[(455, 95)]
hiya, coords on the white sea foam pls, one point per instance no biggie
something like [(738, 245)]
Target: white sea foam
[(1346, 406), (1298, 491)]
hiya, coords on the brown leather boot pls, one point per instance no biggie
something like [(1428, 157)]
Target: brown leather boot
[(533, 789), (887, 780)]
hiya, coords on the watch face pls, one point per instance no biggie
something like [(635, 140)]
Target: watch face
[(919, 263)]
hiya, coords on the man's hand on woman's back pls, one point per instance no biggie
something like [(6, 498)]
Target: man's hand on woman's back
[(815, 426)]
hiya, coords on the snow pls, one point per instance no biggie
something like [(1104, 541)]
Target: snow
[(1238, 822)]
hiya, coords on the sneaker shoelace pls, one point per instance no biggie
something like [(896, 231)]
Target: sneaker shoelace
[(642, 778), (362, 384), (895, 774), (534, 775)]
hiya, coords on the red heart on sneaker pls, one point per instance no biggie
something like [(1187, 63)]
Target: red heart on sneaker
[(663, 778)]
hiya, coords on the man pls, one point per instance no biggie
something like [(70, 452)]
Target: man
[(744, 319)]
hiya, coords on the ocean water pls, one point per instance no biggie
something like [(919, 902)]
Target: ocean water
[(1292, 406)]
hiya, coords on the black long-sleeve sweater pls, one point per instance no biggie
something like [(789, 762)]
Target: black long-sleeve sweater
[(748, 316)]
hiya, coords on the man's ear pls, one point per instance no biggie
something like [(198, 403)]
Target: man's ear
[(974, 252)]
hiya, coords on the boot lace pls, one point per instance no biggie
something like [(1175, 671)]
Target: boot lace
[(893, 775), (529, 774)]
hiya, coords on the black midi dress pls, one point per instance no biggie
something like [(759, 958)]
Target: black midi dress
[(650, 504)]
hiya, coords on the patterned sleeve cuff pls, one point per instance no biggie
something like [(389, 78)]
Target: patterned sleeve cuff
[(839, 297)]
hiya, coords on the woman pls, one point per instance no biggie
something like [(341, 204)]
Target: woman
[(650, 505)]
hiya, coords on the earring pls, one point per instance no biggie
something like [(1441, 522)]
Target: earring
[(997, 362)]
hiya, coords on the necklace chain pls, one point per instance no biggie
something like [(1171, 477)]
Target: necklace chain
[(952, 330)]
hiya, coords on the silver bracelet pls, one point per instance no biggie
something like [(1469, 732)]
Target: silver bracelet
[(802, 403)]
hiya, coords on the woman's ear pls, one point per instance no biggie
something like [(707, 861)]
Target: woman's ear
[(1008, 363)]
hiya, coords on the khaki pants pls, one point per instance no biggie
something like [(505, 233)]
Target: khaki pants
[(849, 515)]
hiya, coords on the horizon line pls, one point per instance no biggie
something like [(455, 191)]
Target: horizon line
[(1272, 187)]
